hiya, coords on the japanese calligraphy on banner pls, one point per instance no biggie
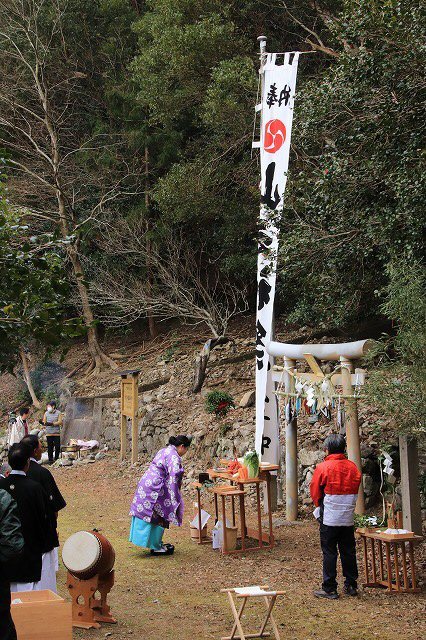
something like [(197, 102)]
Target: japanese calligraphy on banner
[(279, 86)]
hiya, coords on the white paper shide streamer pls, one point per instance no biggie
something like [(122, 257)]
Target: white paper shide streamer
[(279, 85)]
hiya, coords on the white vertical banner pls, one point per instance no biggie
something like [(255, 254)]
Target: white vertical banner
[(279, 86)]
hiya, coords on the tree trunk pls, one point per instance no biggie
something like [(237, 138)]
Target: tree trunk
[(27, 378), (202, 361), (153, 329), (65, 221), (99, 358)]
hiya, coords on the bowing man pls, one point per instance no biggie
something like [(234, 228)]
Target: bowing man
[(55, 502), (25, 572)]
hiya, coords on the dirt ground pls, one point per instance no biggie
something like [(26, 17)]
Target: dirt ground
[(178, 597)]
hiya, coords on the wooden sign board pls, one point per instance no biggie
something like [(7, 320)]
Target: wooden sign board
[(129, 409), (129, 406)]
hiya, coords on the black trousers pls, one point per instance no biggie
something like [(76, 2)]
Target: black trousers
[(7, 628), (342, 539), (53, 443)]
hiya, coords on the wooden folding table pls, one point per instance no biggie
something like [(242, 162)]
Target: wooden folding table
[(269, 598)]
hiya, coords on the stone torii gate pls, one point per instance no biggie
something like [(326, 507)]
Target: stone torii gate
[(313, 354)]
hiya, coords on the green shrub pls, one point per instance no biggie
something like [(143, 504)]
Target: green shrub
[(219, 403), (397, 381)]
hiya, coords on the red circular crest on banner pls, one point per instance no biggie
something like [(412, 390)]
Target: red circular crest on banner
[(275, 134)]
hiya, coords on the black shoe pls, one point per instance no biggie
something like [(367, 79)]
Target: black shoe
[(164, 551), (169, 546), (350, 590), (330, 595)]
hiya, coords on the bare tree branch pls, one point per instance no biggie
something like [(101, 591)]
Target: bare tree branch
[(182, 289)]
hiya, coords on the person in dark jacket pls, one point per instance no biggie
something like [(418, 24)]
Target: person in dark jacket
[(11, 546), (52, 420), (56, 502), (30, 498), (334, 489)]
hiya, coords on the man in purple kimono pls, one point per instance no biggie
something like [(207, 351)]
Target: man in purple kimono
[(158, 501)]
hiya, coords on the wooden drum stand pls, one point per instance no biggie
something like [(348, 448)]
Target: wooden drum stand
[(87, 610)]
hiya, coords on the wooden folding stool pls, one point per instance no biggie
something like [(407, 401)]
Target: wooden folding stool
[(244, 593)]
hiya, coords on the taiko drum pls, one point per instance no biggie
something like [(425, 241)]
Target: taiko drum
[(88, 553)]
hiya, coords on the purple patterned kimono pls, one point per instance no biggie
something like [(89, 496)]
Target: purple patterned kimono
[(158, 499)]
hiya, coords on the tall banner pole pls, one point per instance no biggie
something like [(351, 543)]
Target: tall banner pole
[(278, 85)]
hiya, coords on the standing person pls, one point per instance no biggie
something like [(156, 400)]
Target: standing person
[(52, 420), (11, 546), (55, 502), (334, 489), (21, 422), (25, 572), (158, 501), (5, 470), (13, 434), (18, 426)]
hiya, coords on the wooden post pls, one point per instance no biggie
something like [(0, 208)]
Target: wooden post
[(135, 378), (352, 428), (291, 451), (123, 426), (129, 409), (411, 506)]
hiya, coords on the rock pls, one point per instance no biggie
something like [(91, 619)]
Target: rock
[(370, 501), (111, 433), (148, 399), (308, 458), (370, 468), (248, 399), (100, 456), (368, 484), (366, 451), (66, 462)]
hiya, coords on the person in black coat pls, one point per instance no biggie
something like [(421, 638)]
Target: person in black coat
[(40, 474), (11, 546), (55, 503), (29, 496)]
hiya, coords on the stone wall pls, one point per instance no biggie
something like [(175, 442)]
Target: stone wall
[(159, 417), (156, 425)]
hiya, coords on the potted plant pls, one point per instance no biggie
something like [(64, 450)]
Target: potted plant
[(365, 523)]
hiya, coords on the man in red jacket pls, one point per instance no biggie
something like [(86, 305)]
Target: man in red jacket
[(334, 489)]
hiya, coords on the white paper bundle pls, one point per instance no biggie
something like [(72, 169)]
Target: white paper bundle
[(204, 519), (253, 591)]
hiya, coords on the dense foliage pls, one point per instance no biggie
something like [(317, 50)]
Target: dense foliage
[(356, 200), (398, 387), (34, 291)]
